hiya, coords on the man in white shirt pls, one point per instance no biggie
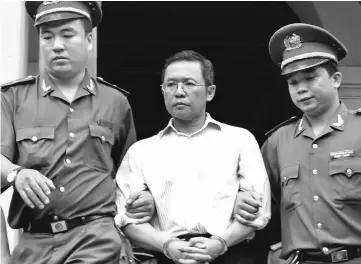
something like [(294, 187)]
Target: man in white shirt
[(194, 169)]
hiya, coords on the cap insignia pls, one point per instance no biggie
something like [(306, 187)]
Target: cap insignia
[(292, 42)]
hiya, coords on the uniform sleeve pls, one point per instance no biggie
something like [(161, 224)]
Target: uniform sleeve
[(8, 139), (127, 135), (270, 157), (272, 233), (129, 179), (254, 179)]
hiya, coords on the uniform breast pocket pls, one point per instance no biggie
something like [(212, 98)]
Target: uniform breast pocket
[(290, 187), (99, 147), (35, 145), (346, 173)]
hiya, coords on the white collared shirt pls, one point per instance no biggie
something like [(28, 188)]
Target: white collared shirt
[(195, 178)]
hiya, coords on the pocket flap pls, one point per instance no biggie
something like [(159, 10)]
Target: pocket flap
[(346, 166), (102, 132), (289, 172), (35, 133)]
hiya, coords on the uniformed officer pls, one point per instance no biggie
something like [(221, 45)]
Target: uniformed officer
[(64, 134), (314, 163)]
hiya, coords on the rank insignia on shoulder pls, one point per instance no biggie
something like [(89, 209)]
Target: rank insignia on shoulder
[(28, 79), (293, 119), (101, 80)]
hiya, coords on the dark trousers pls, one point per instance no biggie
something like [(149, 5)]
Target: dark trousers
[(95, 242)]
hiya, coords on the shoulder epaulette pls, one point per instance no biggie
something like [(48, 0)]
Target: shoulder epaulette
[(358, 111), (101, 80), (28, 79), (293, 119)]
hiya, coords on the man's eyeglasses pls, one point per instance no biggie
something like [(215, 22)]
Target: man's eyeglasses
[(172, 86)]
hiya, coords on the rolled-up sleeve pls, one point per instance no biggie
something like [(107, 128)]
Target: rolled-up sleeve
[(254, 179), (129, 179)]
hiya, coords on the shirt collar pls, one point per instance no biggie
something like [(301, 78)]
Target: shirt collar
[(337, 121), (209, 122), (47, 85)]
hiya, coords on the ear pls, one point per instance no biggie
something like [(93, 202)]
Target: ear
[(89, 39), (211, 91), (337, 78)]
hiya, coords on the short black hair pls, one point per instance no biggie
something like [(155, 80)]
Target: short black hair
[(330, 66), (191, 55)]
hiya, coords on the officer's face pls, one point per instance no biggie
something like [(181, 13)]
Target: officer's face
[(313, 90), (64, 47), (187, 105)]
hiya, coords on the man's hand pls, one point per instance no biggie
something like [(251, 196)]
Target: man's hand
[(33, 187), (245, 208), (190, 255), (140, 205), (199, 246)]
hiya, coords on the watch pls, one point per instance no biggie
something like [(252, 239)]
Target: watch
[(12, 175)]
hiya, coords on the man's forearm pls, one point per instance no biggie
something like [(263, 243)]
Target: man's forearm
[(6, 167), (145, 236), (236, 233)]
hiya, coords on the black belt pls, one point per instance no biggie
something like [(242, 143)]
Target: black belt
[(345, 254), (60, 226)]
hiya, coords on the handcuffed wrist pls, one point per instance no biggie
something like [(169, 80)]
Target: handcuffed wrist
[(223, 242), (166, 245)]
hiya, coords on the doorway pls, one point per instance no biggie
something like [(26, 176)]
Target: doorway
[(135, 38)]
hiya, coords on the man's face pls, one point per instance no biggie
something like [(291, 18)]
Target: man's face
[(313, 90), (187, 105), (64, 47)]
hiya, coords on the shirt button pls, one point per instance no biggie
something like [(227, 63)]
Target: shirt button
[(71, 134), (314, 172), (71, 110), (349, 172), (324, 249), (103, 138), (315, 198), (56, 218), (68, 161), (315, 146), (62, 189), (34, 138), (319, 225)]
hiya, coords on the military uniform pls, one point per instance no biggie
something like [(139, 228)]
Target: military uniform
[(79, 146), (316, 180)]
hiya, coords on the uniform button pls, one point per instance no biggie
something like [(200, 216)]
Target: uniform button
[(315, 198), (349, 172), (324, 249), (56, 218), (314, 172), (62, 189), (315, 146), (285, 178), (319, 225), (68, 161), (71, 134), (103, 138), (71, 110), (34, 138)]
